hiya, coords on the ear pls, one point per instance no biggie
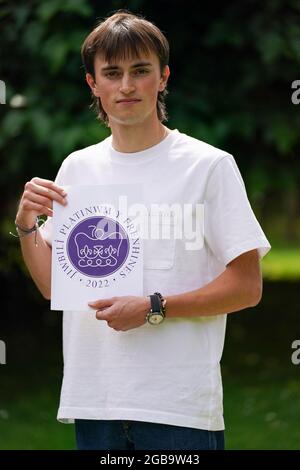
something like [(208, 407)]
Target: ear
[(164, 78), (92, 84)]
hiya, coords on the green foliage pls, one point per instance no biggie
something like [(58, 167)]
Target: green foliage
[(282, 264), (230, 85), (231, 73), (46, 70)]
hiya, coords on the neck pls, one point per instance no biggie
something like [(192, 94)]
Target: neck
[(129, 139)]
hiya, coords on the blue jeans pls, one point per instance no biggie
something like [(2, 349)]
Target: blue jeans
[(139, 435)]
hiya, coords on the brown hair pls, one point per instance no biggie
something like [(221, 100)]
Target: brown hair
[(120, 36)]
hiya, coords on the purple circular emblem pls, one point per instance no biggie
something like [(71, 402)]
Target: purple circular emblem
[(98, 246)]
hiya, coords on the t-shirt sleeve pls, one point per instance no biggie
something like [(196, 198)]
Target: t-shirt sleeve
[(46, 227), (230, 226)]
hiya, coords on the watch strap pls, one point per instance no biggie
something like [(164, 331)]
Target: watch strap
[(156, 305), (163, 302)]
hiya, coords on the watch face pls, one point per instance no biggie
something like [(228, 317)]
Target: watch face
[(156, 318)]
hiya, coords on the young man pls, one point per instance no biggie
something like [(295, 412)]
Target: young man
[(130, 384)]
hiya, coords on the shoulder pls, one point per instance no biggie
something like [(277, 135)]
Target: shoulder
[(84, 154), (197, 151)]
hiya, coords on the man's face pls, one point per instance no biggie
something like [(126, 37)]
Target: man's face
[(128, 88)]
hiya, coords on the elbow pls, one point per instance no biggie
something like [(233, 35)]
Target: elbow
[(256, 295), (46, 293), (45, 290)]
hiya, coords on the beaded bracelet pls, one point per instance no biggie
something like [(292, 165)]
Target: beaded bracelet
[(163, 302), (26, 231)]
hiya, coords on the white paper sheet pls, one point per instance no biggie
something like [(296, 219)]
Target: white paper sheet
[(97, 250)]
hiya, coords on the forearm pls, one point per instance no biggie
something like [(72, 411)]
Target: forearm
[(37, 199), (38, 261), (226, 294)]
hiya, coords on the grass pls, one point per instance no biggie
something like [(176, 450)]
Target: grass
[(28, 415), (282, 263), (261, 385), (29, 424), (262, 416), (259, 414), (261, 403)]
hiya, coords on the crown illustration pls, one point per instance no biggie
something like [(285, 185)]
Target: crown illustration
[(99, 250)]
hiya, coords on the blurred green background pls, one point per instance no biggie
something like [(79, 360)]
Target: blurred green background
[(232, 70)]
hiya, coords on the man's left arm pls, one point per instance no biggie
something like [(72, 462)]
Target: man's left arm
[(239, 286)]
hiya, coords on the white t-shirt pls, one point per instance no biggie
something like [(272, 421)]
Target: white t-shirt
[(168, 373)]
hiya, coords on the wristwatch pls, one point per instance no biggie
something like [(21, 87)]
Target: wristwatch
[(158, 309)]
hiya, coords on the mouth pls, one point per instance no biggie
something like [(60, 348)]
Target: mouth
[(128, 101)]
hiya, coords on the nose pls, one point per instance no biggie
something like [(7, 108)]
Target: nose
[(127, 85)]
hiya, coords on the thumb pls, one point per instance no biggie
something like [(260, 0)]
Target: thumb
[(101, 303)]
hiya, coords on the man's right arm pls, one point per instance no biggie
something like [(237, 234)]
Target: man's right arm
[(37, 199)]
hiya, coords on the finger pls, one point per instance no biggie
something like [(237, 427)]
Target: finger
[(113, 325), (50, 192), (48, 184), (104, 314), (39, 208), (47, 194), (100, 315), (102, 303), (41, 200)]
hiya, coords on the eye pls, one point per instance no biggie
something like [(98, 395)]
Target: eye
[(141, 71), (111, 74)]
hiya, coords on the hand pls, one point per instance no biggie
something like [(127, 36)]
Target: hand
[(37, 199), (122, 313)]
